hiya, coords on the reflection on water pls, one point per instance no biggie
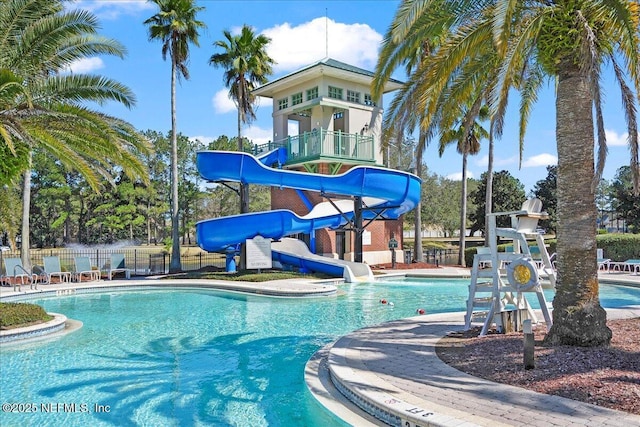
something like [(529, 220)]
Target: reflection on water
[(164, 357)]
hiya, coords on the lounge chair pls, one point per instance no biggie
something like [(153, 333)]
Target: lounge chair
[(16, 275), (603, 263), (53, 269), (83, 269), (117, 264), (630, 265)]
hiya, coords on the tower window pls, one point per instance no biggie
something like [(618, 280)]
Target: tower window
[(335, 92), (312, 93), (368, 100)]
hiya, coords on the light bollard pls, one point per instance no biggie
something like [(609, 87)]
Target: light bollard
[(529, 344)]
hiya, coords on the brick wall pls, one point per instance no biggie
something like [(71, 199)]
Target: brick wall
[(326, 239)]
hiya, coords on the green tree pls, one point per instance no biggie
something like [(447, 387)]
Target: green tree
[(41, 105), (603, 202), (176, 26), (546, 191), (625, 203), (246, 63), (570, 42), (118, 215), (51, 202), (508, 195), (190, 182), (471, 83), (158, 201), (14, 154), (9, 221), (467, 142), (218, 199), (440, 203)]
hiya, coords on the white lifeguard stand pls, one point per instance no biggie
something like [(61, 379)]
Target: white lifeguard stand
[(502, 278)]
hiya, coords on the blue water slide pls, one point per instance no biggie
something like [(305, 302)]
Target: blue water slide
[(276, 157), (397, 192)]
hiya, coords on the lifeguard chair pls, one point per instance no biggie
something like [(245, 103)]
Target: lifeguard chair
[(509, 276)]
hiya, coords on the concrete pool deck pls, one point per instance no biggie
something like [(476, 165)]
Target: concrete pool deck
[(392, 369)]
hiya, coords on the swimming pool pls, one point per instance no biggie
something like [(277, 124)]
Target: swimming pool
[(201, 357)]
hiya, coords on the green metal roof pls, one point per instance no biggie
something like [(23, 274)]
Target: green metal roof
[(332, 63)]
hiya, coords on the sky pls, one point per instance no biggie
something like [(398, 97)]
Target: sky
[(303, 32)]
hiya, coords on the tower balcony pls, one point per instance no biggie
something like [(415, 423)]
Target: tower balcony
[(325, 146)]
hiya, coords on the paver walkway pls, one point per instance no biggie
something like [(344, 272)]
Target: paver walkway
[(394, 367)]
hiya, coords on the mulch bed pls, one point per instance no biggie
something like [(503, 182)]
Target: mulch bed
[(603, 376)]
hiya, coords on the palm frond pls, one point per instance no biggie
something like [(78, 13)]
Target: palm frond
[(77, 88)]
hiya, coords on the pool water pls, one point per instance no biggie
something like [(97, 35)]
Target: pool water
[(201, 357)]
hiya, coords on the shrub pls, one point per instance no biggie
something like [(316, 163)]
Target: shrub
[(616, 247), (13, 314), (620, 247)]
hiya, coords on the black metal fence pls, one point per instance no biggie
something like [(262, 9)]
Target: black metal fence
[(146, 262), (434, 256), (141, 262)]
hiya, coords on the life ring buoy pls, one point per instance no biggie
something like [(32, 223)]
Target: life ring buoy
[(383, 301), (420, 311), (522, 274)]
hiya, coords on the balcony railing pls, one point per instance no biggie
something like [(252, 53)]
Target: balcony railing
[(323, 144)]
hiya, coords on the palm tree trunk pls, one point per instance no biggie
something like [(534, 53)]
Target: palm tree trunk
[(148, 215), (244, 188), (578, 318), (418, 255), (175, 264), (488, 201), (25, 244), (244, 196), (463, 211)]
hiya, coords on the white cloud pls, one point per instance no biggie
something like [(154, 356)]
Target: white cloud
[(112, 9), (258, 135), (222, 104), (85, 65), (458, 176), (253, 133), (204, 139), (295, 47), (616, 139), (482, 161), (544, 159), (497, 161)]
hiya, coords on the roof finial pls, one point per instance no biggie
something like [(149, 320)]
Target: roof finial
[(326, 33)]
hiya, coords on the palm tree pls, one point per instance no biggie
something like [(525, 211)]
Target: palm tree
[(466, 143), (247, 65), (176, 26), (422, 51), (569, 42), (40, 107)]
